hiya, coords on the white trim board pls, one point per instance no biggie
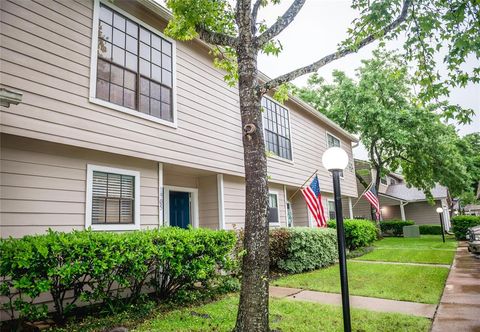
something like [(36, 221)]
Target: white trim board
[(194, 207), (89, 193), (221, 201)]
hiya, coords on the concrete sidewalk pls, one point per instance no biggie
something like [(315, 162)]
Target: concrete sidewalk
[(459, 308), (361, 302)]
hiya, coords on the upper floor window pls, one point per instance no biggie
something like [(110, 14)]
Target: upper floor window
[(277, 129), (383, 180), (332, 141), (393, 181), (134, 66)]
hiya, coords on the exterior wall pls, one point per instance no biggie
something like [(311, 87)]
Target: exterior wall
[(208, 201), (46, 56), (43, 185), (299, 211), (234, 200), (391, 212), (422, 212)]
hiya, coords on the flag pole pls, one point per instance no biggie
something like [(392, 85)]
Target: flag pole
[(316, 171), (371, 183)]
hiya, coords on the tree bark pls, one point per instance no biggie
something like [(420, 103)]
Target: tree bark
[(253, 308)]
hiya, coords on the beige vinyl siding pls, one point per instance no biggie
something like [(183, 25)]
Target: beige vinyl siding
[(299, 210), (46, 56), (308, 137), (422, 212), (43, 185), (234, 201), (391, 212), (208, 201)]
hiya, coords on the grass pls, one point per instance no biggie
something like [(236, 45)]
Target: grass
[(285, 315), (397, 282), (426, 249)]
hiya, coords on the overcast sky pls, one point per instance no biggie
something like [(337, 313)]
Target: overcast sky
[(317, 30)]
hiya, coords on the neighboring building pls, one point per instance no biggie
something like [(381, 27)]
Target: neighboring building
[(106, 123), (399, 201), (472, 209)]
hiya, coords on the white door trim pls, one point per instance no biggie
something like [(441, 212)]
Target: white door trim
[(194, 206)]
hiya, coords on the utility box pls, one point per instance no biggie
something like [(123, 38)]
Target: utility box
[(411, 231)]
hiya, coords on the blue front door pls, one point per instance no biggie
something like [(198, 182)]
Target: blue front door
[(179, 209)]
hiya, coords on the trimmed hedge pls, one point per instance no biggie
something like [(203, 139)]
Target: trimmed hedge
[(107, 267), (294, 250), (358, 232), (460, 225), (430, 229), (394, 227)]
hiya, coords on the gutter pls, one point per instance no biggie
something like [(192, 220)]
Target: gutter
[(164, 13)]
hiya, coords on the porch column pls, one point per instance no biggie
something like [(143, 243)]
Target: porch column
[(286, 207), (221, 202), (350, 207), (402, 210), (446, 214), (160, 195)]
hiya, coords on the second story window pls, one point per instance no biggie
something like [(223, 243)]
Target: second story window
[(332, 141), (134, 66), (277, 129)]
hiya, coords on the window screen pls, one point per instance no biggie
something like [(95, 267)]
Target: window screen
[(331, 210), (277, 129), (134, 66), (272, 208), (113, 198)]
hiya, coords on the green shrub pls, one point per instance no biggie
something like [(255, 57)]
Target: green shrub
[(460, 224), (358, 233), (107, 267), (431, 229), (302, 249), (394, 227)]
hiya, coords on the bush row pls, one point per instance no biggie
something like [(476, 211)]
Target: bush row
[(460, 225), (430, 229), (106, 267), (358, 233), (294, 250), (394, 227)]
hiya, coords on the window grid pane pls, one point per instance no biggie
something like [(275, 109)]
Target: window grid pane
[(112, 198), (277, 129), (127, 54)]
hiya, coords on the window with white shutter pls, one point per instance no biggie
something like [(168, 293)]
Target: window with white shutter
[(112, 198)]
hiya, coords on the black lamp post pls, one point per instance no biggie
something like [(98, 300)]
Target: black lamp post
[(440, 213), (335, 160)]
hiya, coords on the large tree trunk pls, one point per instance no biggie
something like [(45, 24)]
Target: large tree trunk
[(374, 216), (253, 308)]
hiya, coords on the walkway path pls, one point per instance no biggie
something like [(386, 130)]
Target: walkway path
[(459, 308), (400, 263), (362, 302)]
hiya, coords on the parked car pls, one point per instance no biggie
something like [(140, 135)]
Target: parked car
[(473, 237)]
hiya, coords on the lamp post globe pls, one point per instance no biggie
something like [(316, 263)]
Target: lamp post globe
[(335, 159), (439, 210)]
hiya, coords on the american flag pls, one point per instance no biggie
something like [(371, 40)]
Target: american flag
[(313, 197), (371, 196)]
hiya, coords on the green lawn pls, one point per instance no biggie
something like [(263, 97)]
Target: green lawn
[(397, 282), (426, 249), (285, 315)]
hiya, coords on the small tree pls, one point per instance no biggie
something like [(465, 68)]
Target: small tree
[(237, 37)]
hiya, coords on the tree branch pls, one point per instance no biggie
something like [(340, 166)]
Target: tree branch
[(281, 23), (256, 7), (215, 38), (337, 55)]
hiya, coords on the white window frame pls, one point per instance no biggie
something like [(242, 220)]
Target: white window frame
[(340, 141), (276, 193), (89, 198), (274, 156), (93, 67), (193, 200)]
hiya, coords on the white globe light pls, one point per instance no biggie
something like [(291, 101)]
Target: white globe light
[(439, 210), (335, 158)]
